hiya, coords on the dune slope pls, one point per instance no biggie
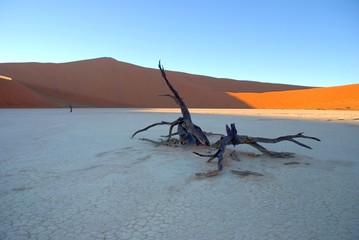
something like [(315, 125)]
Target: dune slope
[(106, 82), (340, 97), (16, 95)]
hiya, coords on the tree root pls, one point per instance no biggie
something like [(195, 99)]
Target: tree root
[(208, 174), (240, 139), (246, 173), (172, 142), (234, 139), (192, 135), (236, 172)]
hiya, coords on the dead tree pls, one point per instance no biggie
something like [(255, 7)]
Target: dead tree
[(191, 134), (233, 139)]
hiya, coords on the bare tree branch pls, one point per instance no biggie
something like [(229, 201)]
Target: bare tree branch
[(234, 139), (156, 124), (191, 134)]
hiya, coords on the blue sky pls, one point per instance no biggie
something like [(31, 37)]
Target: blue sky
[(304, 42)]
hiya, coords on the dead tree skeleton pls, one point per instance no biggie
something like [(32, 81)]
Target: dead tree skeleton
[(190, 135), (233, 139)]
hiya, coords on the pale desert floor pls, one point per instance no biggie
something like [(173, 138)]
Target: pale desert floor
[(347, 116), (80, 176)]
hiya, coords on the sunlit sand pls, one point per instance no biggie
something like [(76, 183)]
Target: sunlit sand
[(321, 115), (5, 78), (341, 97)]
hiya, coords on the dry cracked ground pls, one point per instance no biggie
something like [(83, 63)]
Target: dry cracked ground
[(80, 176)]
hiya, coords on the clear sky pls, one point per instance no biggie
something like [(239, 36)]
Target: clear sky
[(304, 42)]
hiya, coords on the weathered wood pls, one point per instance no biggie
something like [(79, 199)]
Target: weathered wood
[(246, 139), (207, 174), (174, 123), (291, 163), (231, 134), (233, 139), (172, 142), (246, 173), (184, 109), (191, 134)]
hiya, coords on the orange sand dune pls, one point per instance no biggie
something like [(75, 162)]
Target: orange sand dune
[(341, 97), (16, 95), (106, 82)]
